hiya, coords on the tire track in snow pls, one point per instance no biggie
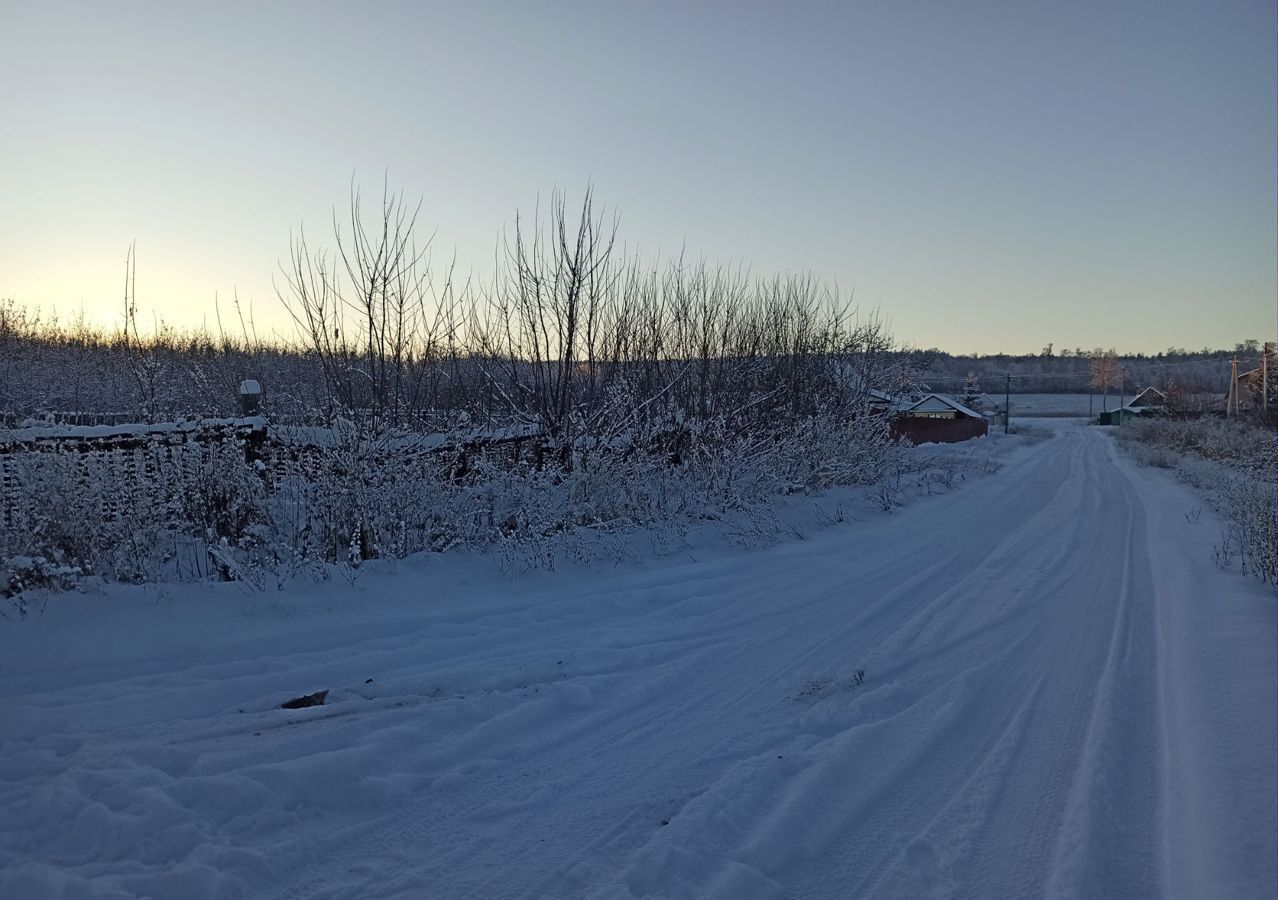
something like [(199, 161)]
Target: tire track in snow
[(728, 698), (1111, 839), (782, 829), (658, 718), (1058, 648), (639, 722), (1039, 649)]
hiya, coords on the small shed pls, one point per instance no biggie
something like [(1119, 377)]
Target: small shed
[(1148, 402), (1119, 416), (1150, 398)]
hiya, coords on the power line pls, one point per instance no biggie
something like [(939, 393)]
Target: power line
[(1130, 366)]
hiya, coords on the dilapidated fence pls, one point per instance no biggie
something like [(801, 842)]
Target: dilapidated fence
[(182, 499), (240, 497), (161, 461), (108, 462)]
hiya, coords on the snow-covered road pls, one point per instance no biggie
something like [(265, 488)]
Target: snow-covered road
[(1035, 686)]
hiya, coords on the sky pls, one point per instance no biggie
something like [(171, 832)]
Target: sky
[(989, 176)]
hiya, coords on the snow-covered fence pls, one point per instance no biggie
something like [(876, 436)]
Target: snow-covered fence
[(106, 497), (39, 438), (110, 462), (12, 420), (235, 497), (100, 497)]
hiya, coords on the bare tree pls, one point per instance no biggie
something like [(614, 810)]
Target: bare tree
[(373, 314), (550, 330), (1106, 372)]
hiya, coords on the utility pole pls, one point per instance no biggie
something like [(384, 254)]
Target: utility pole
[(1231, 399), (1007, 406), (1265, 351)]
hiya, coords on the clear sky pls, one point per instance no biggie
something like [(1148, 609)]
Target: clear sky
[(993, 176)]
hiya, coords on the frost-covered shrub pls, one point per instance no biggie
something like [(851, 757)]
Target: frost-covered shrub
[(1233, 463), (1155, 456), (23, 576), (522, 505), (215, 494), (1236, 443), (141, 513), (169, 511), (62, 516), (1032, 434), (76, 516), (757, 527), (1250, 508), (824, 453), (887, 494)]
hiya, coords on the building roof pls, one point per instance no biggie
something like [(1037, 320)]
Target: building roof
[(939, 403), (1245, 379), (985, 404), (1150, 396)]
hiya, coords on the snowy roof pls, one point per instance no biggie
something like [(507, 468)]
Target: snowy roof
[(936, 402), (984, 403), (1155, 398)]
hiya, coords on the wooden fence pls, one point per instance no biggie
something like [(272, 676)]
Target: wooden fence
[(918, 430), (115, 466), (114, 463)]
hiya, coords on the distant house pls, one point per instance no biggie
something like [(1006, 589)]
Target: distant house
[(1148, 402), (877, 399), (939, 406), (880, 401), (936, 418), (1151, 399), (984, 405), (1246, 392)]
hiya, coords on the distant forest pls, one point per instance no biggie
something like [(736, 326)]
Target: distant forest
[(1203, 371)]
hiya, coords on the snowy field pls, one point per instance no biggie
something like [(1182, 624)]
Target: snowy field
[(1036, 685), (1062, 405)]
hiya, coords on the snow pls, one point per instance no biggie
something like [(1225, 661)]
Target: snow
[(1037, 685), (344, 433), (1065, 405), (98, 432)]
